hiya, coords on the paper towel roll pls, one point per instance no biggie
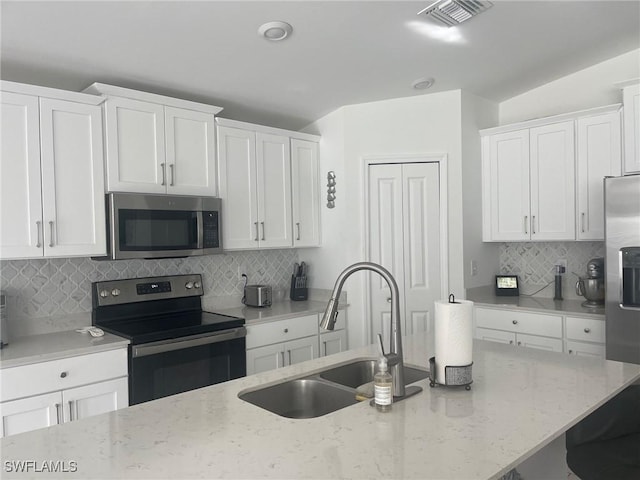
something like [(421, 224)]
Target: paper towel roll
[(454, 335)]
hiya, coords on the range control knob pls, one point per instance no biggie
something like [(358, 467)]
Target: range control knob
[(196, 284), (104, 293), (189, 285), (115, 292)]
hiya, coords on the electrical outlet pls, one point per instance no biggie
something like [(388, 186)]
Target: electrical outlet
[(474, 268)]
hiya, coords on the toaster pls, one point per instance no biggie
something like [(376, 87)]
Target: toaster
[(257, 295)]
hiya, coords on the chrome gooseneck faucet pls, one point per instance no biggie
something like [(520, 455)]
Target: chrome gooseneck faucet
[(394, 357)]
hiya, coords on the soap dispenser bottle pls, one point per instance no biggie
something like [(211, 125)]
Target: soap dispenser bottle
[(383, 387)]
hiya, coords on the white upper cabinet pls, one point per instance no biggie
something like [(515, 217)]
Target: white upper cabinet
[(598, 155), (305, 189), (52, 198), (631, 101), (542, 180), (158, 144), (255, 175), (529, 184)]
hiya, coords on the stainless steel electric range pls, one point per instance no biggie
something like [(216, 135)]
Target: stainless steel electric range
[(175, 346)]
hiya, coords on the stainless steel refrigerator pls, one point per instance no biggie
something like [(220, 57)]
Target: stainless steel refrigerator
[(622, 237)]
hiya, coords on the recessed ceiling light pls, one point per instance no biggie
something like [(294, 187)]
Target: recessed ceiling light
[(275, 31), (454, 12), (423, 83)]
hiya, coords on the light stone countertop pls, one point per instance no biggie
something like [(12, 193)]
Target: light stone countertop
[(278, 311), (484, 296), (521, 400), (52, 346)]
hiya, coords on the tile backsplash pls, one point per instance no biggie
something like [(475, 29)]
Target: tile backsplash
[(534, 264), (45, 295)]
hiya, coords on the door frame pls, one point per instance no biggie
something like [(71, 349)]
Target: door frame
[(442, 161)]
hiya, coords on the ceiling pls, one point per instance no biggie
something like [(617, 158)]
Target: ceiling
[(340, 52)]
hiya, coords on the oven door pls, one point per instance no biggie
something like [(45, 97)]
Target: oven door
[(164, 368)]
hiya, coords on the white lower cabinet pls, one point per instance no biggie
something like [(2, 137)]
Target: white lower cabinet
[(579, 336), (333, 342), (82, 386)]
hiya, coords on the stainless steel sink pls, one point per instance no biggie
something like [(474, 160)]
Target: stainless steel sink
[(301, 398), (360, 372), (321, 393)]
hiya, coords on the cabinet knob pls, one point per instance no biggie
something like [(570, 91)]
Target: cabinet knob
[(286, 330), (587, 330), (515, 322), (63, 375), (510, 342), (519, 343), (570, 352)]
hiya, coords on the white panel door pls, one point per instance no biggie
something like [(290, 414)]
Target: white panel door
[(89, 400), (404, 237), (585, 349), (631, 100), (190, 152), (333, 342), (386, 243), (599, 155), (509, 202), (541, 343), (421, 228), (263, 359), (305, 188), (237, 176), (499, 336), (20, 195), (72, 179), (31, 413), (552, 170), (135, 146), (273, 157), (301, 350)]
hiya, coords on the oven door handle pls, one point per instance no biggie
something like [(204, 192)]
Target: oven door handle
[(164, 346)]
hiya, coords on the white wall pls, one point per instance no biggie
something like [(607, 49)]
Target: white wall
[(415, 125), (477, 113), (592, 87)]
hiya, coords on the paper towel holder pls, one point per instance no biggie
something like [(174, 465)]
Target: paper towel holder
[(454, 376)]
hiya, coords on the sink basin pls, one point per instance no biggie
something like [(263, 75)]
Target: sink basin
[(323, 392), (362, 371), (301, 398)]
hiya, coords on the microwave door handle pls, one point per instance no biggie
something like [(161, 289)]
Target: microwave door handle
[(200, 222)]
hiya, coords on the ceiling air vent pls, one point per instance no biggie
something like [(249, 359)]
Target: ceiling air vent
[(454, 12)]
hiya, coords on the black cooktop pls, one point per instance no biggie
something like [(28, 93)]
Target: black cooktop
[(175, 325)]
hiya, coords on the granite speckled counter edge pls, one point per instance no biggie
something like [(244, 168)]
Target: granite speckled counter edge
[(485, 297)]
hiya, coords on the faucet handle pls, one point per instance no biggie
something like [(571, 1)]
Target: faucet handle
[(381, 346)]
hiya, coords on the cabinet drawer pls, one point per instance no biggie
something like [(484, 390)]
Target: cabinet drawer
[(281, 330), (520, 322), (585, 349), (38, 378), (585, 329)]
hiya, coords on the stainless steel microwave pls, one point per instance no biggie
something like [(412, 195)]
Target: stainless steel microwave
[(162, 226)]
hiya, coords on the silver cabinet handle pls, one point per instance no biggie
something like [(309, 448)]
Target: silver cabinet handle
[(262, 225), (164, 174), (515, 322), (526, 222), (51, 230), (72, 406), (58, 413), (289, 353), (519, 344), (256, 225), (171, 168), (39, 234), (570, 352), (324, 347), (389, 300), (63, 375), (286, 330), (582, 222), (282, 354), (587, 330), (533, 225), (510, 342), (298, 227)]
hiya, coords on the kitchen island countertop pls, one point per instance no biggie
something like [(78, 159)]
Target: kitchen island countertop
[(521, 400)]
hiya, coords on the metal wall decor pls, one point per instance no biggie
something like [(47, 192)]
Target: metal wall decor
[(331, 189)]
